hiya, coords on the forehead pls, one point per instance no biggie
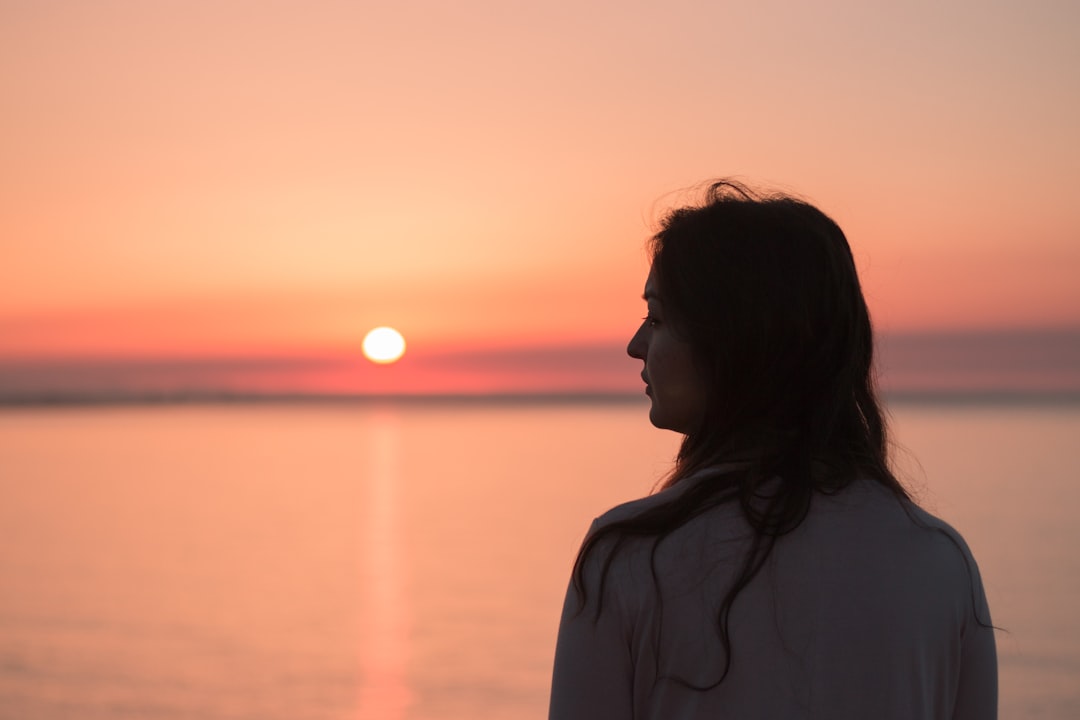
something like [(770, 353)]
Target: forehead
[(652, 289)]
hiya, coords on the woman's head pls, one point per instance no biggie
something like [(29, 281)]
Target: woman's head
[(760, 294)]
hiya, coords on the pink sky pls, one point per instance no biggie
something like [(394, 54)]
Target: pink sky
[(249, 179)]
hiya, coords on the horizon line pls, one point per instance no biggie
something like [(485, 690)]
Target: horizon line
[(929, 396)]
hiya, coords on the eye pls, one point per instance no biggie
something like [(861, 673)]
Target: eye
[(651, 320)]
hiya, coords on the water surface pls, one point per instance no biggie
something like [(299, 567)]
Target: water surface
[(388, 562)]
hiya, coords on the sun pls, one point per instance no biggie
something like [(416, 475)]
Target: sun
[(384, 345)]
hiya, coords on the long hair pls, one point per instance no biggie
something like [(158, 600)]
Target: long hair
[(764, 289)]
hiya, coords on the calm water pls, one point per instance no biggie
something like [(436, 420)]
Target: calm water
[(357, 562)]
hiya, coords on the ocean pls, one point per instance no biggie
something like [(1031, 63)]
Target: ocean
[(408, 561)]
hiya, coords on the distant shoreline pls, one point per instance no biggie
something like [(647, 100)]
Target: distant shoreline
[(227, 398), (989, 397)]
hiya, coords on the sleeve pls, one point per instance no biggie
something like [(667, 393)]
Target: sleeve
[(593, 675), (977, 691)]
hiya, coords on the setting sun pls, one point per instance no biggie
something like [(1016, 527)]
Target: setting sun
[(384, 345)]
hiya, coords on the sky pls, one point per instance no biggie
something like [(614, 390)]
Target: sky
[(263, 182)]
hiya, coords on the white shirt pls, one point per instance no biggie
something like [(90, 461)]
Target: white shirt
[(863, 611)]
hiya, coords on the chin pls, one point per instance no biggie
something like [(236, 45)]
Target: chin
[(683, 421), (663, 423)]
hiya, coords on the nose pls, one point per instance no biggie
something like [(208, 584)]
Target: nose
[(637, 345)]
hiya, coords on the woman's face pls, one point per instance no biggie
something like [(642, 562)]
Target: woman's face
[(672, 379)]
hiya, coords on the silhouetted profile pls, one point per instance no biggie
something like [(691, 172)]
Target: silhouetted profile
[(781, 571)]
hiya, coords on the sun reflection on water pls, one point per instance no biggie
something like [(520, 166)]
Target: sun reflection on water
[(384, 654)]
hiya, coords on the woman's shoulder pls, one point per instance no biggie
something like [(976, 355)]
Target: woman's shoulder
[(871, 527), (633, 559), (636, 508), (871, 503)]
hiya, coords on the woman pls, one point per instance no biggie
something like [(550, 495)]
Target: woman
[(781, 571)]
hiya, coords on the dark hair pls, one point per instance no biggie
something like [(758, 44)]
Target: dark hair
[(764, 289)]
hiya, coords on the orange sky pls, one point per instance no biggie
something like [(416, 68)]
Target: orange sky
[(198, 179)]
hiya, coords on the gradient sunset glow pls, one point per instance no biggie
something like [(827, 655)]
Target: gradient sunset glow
[(253, 186)]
